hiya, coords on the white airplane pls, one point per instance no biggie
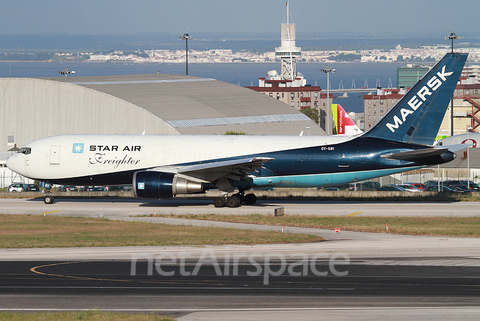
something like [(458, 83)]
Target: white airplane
[(343, 123), (162, 166)]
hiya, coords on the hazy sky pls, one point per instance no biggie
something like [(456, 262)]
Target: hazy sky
[(89, 17)]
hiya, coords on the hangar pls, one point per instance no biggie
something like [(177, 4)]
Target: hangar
[(33, 108)]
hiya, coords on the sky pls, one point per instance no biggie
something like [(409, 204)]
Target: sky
[(99, 17)]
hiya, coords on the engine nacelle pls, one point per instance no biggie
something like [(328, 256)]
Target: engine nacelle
[(152, 184)]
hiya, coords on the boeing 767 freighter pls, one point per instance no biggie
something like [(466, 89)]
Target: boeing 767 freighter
[(162, 166)]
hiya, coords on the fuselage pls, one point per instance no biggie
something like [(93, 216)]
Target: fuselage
[(469, 139), (297, 161)]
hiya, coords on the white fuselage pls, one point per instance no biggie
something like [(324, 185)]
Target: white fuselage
[(69, 156)]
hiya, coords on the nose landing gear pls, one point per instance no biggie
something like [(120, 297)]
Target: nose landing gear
[(48, 199)]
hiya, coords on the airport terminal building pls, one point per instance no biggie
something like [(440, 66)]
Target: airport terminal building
[(33, 108)]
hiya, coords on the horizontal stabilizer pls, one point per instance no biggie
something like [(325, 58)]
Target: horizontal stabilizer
[(414, 155)]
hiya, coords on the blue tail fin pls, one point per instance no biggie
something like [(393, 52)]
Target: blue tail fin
[(416, 118)]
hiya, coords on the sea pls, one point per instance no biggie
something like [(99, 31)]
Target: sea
[(347, 75)]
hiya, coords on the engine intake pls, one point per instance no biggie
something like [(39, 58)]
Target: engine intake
[(152, 184)]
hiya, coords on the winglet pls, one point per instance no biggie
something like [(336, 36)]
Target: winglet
[(416, 118)]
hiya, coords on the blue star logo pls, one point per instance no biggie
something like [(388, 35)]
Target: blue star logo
[(77, 148)]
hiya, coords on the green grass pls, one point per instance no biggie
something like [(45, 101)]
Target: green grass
[(447, 226), (38, 231), (84, 315)]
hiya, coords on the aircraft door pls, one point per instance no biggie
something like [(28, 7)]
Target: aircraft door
[(55, 155)]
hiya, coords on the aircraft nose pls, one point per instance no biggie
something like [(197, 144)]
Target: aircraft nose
[(11, 163)]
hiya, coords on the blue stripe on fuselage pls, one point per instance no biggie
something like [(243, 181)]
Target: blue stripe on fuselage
[(317, 180)]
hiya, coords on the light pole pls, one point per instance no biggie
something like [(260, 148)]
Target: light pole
[(452, 37), (328, 70), (468, 157), (186, 37)]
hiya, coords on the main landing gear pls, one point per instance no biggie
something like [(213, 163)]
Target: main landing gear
[(235, 200)]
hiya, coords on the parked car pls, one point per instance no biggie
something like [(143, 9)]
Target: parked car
[(31, 188), (472, 185), (67, 188), (99, 189), (332, 189), (462, 188), (123, 188), (16, 187), (391, 188), (408, 187), (434, 188), (419, 186), (451, 183), (364, 186)]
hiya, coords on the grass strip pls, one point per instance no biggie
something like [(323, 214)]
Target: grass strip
[(83, 315), (445, 226), (38, 231)]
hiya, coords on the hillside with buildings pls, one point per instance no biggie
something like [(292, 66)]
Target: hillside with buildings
[(399, 54)]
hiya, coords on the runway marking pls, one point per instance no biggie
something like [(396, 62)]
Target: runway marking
[(34, 270), (215, 282), (248, 309), (49, 212), (354, 213), (175, 288)]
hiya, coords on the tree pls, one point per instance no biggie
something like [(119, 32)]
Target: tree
[(232, 132), (312, 113)]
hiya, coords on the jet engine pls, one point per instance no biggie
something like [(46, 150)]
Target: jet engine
[(152, 184)]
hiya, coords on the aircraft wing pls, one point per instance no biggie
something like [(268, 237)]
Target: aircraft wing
[(209, 172)]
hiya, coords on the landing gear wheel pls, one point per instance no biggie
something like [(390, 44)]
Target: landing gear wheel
[(241, 197), (219, 202), (233, 201), (250, 199), (48, 199)]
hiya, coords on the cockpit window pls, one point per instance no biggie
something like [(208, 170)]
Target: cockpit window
[(25, 150)]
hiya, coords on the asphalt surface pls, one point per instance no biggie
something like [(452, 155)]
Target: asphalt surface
[(127, 207), (352, 275)]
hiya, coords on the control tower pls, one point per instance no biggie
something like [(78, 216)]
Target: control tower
[(288, 52), (290, 86)]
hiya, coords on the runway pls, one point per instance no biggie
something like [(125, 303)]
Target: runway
[(352, 275), (438, 278), (128, 207)]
